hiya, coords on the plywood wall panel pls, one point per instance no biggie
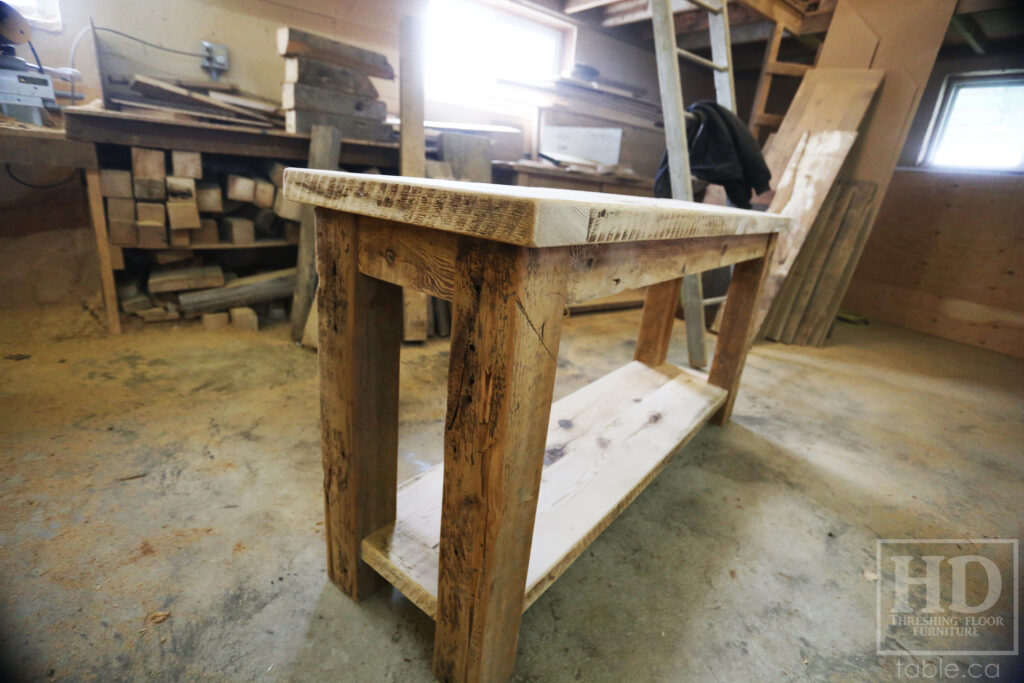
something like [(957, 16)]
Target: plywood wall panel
[(947, 258)]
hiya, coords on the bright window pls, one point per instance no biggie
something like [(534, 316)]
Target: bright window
[(474, 50), (44, 14), (980, 124)]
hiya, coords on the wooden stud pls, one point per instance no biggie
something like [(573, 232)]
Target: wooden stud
[(152, 234), (738, 330), (324, 153), (209, 198), (244, 319), (179, 238), (181, 279), (181, 189), (183, 216), (151, 212), (123, 233), (359, 343), (208, 232), (116, 257), (148, 173), (241, 188), (507, 318), (114, 183), (120, 209), (187, 164), (99, 228), (237, 230), (286, 208), (660, 303), (263, 196)]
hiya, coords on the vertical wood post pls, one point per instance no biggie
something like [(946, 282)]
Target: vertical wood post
[(507, 312), (738, 331), (360, 321), (324, 153), (412, 146), (660, 304), (98, 215)]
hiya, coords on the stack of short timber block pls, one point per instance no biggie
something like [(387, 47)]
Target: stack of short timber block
[(180, 284), (156, 206), (328, 83)]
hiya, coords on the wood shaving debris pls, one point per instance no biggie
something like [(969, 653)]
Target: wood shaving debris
[(159, 617)]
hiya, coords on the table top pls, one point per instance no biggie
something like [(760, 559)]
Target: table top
[(527, 216)]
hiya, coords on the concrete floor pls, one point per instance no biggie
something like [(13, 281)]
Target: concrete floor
[(178, 470)]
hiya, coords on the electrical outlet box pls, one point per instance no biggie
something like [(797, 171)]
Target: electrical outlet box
[(215, 58)]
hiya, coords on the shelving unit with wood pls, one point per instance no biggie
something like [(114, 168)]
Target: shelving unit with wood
[(267, 150), (525, 485)]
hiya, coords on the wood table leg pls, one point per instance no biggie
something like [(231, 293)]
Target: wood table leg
[(693, 309), (507, 313), (360, 321), (737, 331), (660, 304), (98, 215)]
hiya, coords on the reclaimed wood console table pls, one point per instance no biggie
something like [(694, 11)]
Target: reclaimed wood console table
[(525, 484)]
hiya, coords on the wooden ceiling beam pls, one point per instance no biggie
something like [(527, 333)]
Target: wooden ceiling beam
[(574, 6), (625, 12)]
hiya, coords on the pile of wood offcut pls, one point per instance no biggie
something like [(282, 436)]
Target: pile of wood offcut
[(205, 101), (188, 203), (327, 83)]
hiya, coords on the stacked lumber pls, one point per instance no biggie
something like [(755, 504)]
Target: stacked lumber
[(171, 199), (207, 102), (180, 209), (868, 38), (181, 285), (327, 83)]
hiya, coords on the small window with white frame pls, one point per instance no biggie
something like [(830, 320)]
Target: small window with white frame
[(979, 123)]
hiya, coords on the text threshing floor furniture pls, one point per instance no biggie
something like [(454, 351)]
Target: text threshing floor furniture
[(525, 484)]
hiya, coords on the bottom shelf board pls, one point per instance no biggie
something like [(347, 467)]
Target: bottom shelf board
[(606, 442)]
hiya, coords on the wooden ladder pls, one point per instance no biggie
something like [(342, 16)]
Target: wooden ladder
[(668, 53), (761, 120)]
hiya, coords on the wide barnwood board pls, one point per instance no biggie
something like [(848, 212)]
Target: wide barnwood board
[(904, 44), (157, 89), (293, 42), (809, 177), (179, 111), (180, 279), (528, 216), (606, 442), (321, 75), (827, 99), (310, 98), (348, 126)]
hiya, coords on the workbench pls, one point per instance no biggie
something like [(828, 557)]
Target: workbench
[(525, 485), (85, 125), (536, 175)]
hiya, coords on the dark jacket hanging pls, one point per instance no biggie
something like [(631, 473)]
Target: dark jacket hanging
[(722, 152)]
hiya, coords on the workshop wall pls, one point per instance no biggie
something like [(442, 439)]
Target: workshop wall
[(945, 254)]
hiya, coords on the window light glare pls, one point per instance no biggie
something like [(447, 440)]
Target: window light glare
[(472, 47), (985, 128)]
